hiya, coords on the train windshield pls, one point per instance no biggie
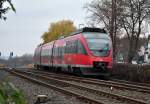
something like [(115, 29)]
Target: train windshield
[(98, 43)]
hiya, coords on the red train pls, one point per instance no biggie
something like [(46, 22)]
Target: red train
[(87, 51)]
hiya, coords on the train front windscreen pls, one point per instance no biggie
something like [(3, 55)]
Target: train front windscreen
[(98, 43)]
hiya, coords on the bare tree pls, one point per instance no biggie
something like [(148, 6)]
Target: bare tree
[(131, 20), (106, 12), (100, 12), (117, 15), (5, 9)]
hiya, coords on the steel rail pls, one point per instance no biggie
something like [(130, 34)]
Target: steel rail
[(68, 92), (130, 82), (108, 94), (117, 85)]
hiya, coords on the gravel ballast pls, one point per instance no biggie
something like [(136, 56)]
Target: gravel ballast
[(31, 90), (128, 93)]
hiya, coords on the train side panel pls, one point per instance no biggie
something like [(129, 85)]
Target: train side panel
[(47, 54)]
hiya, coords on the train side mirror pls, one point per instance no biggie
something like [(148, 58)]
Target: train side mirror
[(41, 99)]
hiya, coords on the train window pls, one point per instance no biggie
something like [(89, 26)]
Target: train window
[(55, 51), (71, 46), (63, 50), (81, 48), (95, 35), (99, 47), (66, 48), (50, 52), (60, 52), (42, 53), (45, 52), (36, 53), (76, 46)]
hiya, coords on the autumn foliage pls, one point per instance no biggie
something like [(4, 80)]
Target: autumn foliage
[(60, 28)]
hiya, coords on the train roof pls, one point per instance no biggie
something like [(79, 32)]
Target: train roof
[(89, 29), (85, 29)]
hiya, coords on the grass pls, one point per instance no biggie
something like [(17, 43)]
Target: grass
[(9, 94)]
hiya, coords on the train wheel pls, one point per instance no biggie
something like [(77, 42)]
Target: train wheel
[(77, 71), (70, 69), (54, 69), (51, 68), (58, 69), (37, 67), (34, 66)]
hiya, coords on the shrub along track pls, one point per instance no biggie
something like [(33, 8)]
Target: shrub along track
[(72, 85)]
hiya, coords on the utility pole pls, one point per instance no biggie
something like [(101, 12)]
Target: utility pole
[(0, 55), (10, 59), (11, 54)]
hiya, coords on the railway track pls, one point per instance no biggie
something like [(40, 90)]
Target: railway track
[(71, 93), (62, 84), (115, 84), (130, 82)]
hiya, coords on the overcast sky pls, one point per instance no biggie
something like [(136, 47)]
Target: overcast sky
[(22, 31)]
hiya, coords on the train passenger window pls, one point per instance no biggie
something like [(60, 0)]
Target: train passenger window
[(71, 46), (60, 52), (76, 46), (55, 51), (81, 48), (63, 50), (66, 48), (45, 52)]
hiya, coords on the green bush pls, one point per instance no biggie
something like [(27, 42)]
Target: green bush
[(9, 94)]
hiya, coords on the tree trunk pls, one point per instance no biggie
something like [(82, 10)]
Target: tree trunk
[(114, 40), (130, 51), (112, 28)]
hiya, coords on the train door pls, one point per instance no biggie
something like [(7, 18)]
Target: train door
[(81, 51)]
